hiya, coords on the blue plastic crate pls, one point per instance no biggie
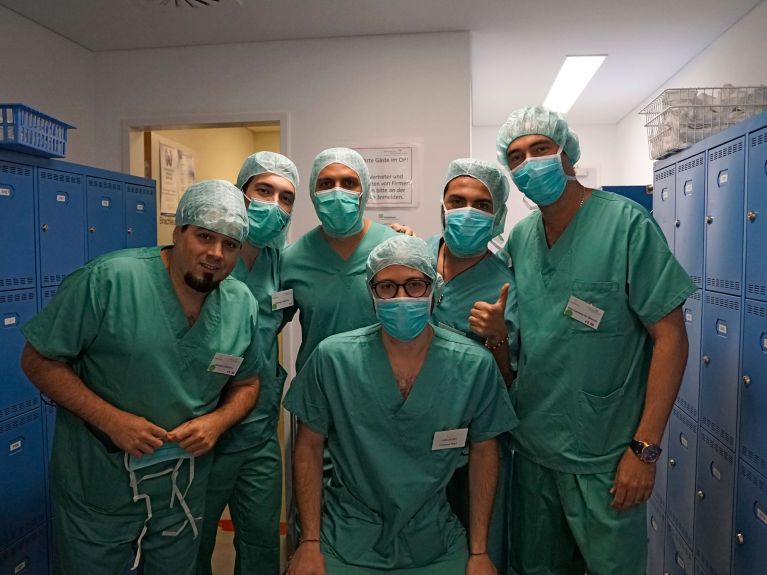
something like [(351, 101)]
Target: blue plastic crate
[(24, 129)]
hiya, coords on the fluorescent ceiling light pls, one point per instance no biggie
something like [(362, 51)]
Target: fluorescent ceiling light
[(576, 72)]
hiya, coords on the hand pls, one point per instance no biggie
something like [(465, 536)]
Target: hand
[(198, 435), (307, 560), (633, 482), (134, 434), (402, 229), (480, 565), (486, 319)]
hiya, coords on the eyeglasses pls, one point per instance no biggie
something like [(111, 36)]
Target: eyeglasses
[(387, 289)]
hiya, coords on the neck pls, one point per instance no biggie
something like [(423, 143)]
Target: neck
[(346, 245), (411, 348), (191, 300), (249, 254), (451, 265), (557, 216)]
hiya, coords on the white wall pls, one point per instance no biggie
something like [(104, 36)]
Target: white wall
[(51, 74)]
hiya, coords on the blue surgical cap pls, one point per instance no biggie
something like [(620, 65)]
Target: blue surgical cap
[(537, 120), (267, 163), (494, 180), (215, 205), (349, 158), (408, 251)]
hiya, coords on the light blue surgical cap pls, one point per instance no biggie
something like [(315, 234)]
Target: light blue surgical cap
[(537, 120), (349, 158), (408, 251), (215, 205), (494, 180), (267, 163)]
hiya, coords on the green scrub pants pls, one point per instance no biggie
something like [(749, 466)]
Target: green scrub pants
[(562, 524), (250, 482), (455, 564)]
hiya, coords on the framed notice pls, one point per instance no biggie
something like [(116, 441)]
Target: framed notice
[(393, 175)]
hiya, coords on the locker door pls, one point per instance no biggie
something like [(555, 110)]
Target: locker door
[(656, 535), (753, 408), (664, 201), (47, 295), (22, 507), (724, 215), (690, 389), (17, 226), (17, 395), (140, 216), (715, 482), (28, 556), (690, 215), (105, 216), (750, 522), (61, 230), (678, 558), (661, 471), (719, 381), (682, 453), (756, 216)]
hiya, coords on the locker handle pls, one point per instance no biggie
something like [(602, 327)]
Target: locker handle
[(706, 360), (672, 462), (746, 380), (92, 229), (740, 539), (130, 231), (701, 495), (44, 227), (751, 216), (677, 223), (709, 219)]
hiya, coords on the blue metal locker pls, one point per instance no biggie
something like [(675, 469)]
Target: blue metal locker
[(656, 535), (678, 558), (17, 226), (750, 522), (715, 483), (664, 201), (29, 556), (756, 216), (719, 381), (661, 470), (690, 215), (682, 453), (689, 392), (22, 506), (17, 395), (140, 216), (62, 233), (105, 216), (753, 405), (46, 295), (724, 216)]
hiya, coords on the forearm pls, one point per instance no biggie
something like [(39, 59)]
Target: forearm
[(502, 358), (237, 400), (307, 474), (483, 480)]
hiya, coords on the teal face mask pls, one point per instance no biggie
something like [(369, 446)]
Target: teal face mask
[(541, 179), (265, 222), (403, 318), (339, 212), (166, 452), (467, 231)]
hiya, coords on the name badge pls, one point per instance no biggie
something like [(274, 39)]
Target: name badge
[(450, 439), (282, 299), (584, 312), (226, 364)]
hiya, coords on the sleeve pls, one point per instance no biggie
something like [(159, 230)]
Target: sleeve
[(494, 414), (254, 359), (657, 283), (306, 398), (71, 321)]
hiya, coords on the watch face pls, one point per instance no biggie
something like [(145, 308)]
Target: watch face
[(650, 453)]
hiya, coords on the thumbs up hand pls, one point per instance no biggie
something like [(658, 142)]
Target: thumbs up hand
[(486, 319)]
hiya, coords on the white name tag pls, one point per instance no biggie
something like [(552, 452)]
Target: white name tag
[(450, 439), (584, 312), (226, 364), (282, 299)]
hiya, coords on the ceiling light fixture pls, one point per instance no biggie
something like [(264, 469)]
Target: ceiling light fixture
[(574, 75)]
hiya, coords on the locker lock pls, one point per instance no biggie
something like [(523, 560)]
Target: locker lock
[(751, 216), (672, 462), (701, 495), (44, 227), (746, 380), (677, 223), (706, 360), (740, 539), (92, 230), (130, 231), (709, 219)]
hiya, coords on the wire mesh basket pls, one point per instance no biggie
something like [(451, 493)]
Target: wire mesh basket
[(681, 117), (24, 129)]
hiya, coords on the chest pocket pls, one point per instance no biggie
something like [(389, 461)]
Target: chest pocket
[(606, 296)]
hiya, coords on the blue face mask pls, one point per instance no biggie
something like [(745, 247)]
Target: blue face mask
[(541, 179), (339, 212), (265, 222), (467, 231), (403, 318)]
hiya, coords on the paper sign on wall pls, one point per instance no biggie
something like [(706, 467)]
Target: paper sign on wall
[(391, 176), (177, 173)]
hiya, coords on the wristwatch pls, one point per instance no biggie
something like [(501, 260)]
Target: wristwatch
[(646, 452)]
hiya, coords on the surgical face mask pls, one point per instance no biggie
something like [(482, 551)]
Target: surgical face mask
[(541, 179), (338, 210), (467, 231), (265, 222), (403, 318)]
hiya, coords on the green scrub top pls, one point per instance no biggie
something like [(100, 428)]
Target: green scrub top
[(580, 391), (481, 282), (263, 279), (118, 322), (331, 293), (385, 506)]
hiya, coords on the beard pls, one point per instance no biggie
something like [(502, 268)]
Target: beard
[(205, 284)]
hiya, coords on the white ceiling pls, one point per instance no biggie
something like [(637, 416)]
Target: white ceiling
[(517, 45)]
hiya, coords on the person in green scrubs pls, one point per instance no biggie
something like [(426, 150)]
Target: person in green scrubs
[(479, 301), (396, 400), (247, 467), (151, 354), (603, 348)]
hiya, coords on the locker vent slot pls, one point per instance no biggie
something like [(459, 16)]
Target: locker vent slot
[(750, 456), (722, 452), (53, 279), (716, 283), (687, 406), (722, 302), (725, 151), (759, 140), (688, 165), (19, 408), (679, 525), (50, 292), (663, 174), (696, 296), (757, 310), (61, 177), (688, 423), (103, 184), (756, 289), (8, 426), (16, 283), (702, 564), (15, 170), (757, 480), (15, 297), (697, 281), (140, 190)]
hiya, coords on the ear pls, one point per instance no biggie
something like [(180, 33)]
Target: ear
[(176, 234), (567, 165)]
